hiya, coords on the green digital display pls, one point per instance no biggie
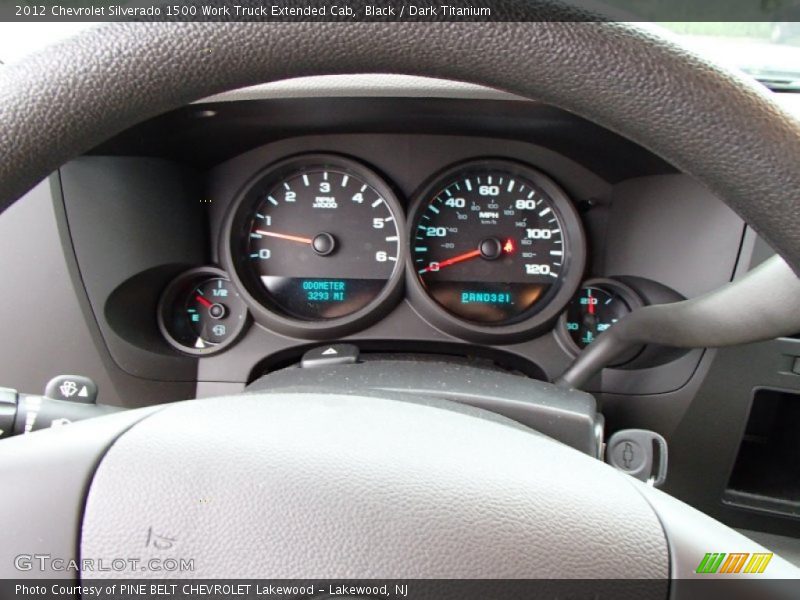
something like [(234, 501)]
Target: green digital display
[(322, 290), (469, 297)]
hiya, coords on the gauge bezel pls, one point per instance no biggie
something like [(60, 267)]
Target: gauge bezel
[(627, 293), (537, 319), (271, 317), (170, 295)]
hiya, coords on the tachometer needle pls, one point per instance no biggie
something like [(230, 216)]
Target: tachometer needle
[(451, 261), (284, 236)]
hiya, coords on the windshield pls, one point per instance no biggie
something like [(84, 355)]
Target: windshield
[(769, 51)]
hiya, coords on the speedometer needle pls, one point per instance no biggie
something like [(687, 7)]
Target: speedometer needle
[(451, 261), (284, 236)]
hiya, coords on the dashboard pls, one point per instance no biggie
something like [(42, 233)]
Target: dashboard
[(202, 250), (319, 246), (403, 257)]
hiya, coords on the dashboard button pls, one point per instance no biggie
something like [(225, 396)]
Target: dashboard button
[(333, 354)]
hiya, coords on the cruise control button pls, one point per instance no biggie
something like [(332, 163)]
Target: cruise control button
[(73, 388), (334, 354)]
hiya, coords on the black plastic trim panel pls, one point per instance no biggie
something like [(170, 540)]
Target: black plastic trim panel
[(203, 135)]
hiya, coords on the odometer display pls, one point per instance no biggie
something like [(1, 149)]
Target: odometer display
[(489, 243), (317, 239)]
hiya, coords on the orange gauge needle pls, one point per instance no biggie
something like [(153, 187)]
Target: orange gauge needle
[(284, 236), (451, 261)]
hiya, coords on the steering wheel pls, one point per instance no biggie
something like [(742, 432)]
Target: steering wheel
[(336, 485)]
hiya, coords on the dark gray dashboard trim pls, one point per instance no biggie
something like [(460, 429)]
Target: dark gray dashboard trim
[(204, 135), (105, 202), (49, 315)]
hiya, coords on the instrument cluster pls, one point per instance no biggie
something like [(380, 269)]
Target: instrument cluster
[(318, 246)]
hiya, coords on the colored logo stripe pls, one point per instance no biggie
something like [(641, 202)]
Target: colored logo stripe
[(758, 563), (711, 562), (734, 563), (716, 562)]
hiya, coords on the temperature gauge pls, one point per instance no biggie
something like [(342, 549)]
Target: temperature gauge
[(201, 312), (599, 304)]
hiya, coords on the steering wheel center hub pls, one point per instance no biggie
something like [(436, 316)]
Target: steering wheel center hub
[(394, 489)]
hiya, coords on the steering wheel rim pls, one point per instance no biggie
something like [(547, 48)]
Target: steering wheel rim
[(70, 97), (711, 123)]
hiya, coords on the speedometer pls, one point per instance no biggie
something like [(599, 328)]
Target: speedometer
[(497, 247), (316, 244)]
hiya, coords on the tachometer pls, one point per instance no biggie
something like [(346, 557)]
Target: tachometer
[(316, 242), (496, 245)]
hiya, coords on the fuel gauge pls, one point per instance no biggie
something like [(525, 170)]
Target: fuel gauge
[(598, 305), (201, 312)]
